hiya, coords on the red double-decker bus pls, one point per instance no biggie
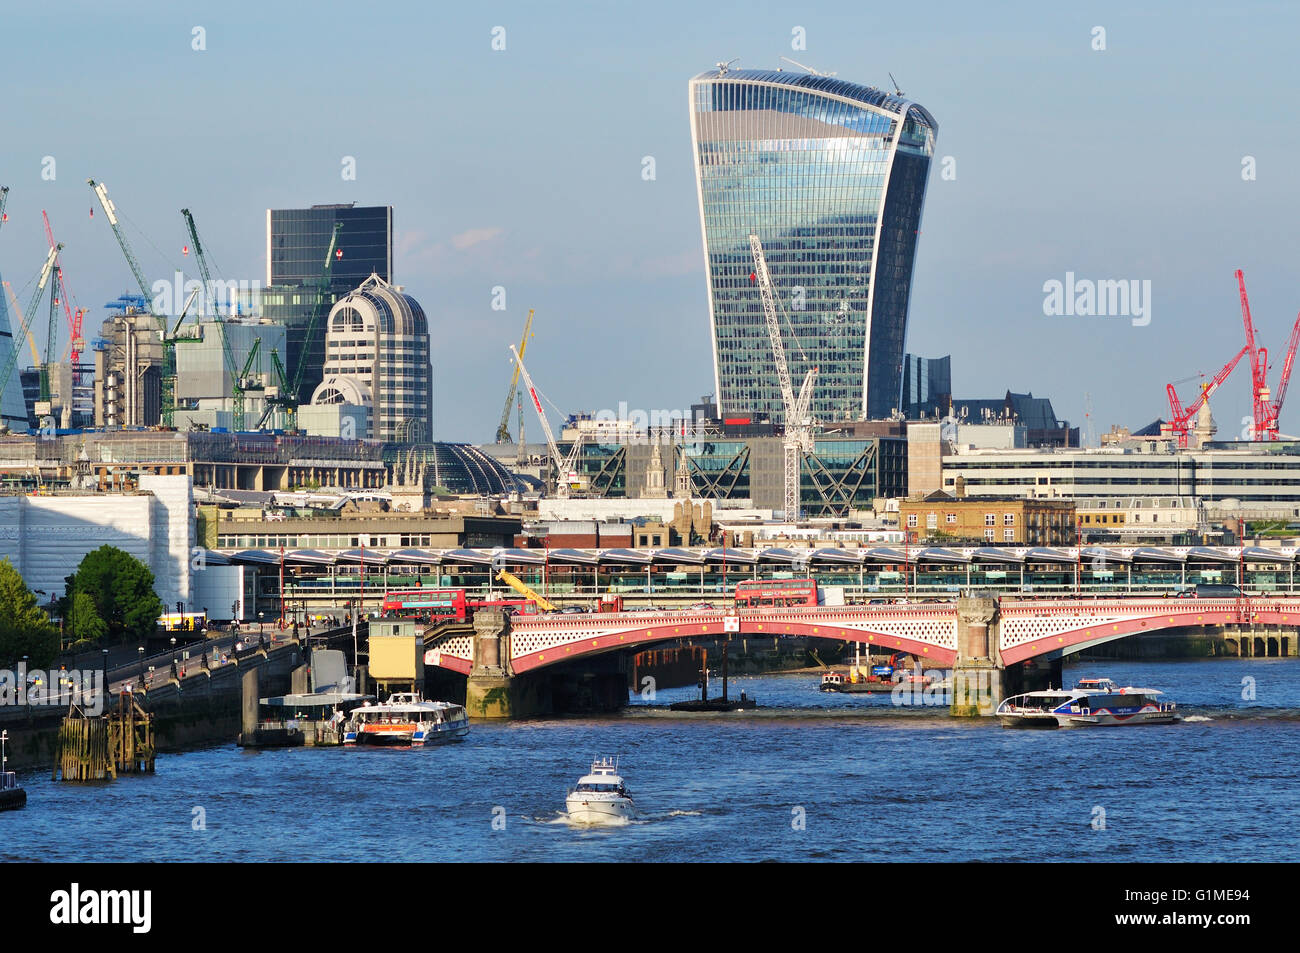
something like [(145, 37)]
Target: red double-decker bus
[(441, 605), (776, 593), (429, 605)]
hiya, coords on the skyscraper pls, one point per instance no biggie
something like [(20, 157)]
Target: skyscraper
[(296, 243), (831, 176)]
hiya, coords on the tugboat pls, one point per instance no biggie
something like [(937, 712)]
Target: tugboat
[(600, 797), (406, 719), (12, 796), (1093, 702)]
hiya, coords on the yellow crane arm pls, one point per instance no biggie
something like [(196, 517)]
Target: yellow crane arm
[(31, 341), (519, 586)]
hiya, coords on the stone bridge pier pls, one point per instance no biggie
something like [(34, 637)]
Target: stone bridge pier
[(980, 679)]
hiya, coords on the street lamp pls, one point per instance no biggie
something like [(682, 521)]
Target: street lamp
[(105, 683), (140, 650)]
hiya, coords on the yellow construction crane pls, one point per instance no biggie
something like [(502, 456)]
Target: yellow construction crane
[(503, 431), (532, 595)]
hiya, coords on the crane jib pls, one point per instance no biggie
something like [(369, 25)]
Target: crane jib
[(536, 403)]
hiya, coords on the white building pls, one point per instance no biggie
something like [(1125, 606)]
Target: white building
[(46, 537), (377, 357)]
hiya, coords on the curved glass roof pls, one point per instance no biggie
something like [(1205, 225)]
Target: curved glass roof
[(867, 95)]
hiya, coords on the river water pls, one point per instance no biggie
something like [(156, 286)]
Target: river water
[(810, 776)]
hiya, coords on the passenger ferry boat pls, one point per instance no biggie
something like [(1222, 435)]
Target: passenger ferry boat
[(600, 797), (12, 796), (1092, 702), (406, 719)]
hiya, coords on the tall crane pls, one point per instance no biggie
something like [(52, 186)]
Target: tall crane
[(238, 375), (566, 468), (798, 422), (1266, 410), (12, 360), (503, 430), (1180, 419), (110, 210), (1275, 407), (59, 292)]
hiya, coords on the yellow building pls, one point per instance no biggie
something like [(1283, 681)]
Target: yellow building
[(942, 519)]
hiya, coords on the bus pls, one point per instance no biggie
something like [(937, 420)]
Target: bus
[(445, 605), (430, 605), (183, 621), (776, 593)]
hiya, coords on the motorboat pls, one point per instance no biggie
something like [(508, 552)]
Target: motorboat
[(12, 795), (406, 719), (1093, 702), (600, 797)]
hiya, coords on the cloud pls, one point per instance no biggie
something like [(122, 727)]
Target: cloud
[(474, 236)]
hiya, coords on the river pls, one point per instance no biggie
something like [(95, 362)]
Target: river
[(809, 776)]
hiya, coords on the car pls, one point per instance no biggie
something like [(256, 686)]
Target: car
[(573, 610), (704, 605)]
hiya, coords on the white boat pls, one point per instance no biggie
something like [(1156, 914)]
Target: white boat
[(600, 797), (12, 795), (1092, 702), (406, 719)]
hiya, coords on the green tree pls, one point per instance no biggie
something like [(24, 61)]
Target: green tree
[(121, 588), (84, 623), (25, 628)]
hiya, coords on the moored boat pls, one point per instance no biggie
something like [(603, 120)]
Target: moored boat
[(12, 795), (1093, 702), (406, 719)]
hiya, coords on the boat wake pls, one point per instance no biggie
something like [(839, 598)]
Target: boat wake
[(1194, 718)]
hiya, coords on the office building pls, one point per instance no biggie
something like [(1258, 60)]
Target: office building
[(377, 356), (831, 176), (297, 241)]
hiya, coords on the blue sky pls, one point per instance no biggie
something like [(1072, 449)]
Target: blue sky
[(522, 168)]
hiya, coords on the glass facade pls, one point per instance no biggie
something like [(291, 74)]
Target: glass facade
[(296, 243), (831, 176)]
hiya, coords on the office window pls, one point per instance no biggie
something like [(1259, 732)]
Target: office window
[(1009, 535), (990, 519)]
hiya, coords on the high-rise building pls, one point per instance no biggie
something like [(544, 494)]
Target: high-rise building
[(831, 176), (927, 386), (377, 342), (296, 243)]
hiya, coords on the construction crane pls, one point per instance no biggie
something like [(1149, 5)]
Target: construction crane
[(238, 375), (798, 423), (1180, 419), (110, 210), (503, 430), (1265, 410), (521, 587), (567, 477), (287, 395), (59, 292), (1275, 407), (12, 360)]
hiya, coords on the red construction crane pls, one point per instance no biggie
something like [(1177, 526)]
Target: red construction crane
[(1274, 408), (1266, 410), (1180, 419), (74, 315)]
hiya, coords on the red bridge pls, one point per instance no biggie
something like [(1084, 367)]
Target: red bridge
[(1017, 631)]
